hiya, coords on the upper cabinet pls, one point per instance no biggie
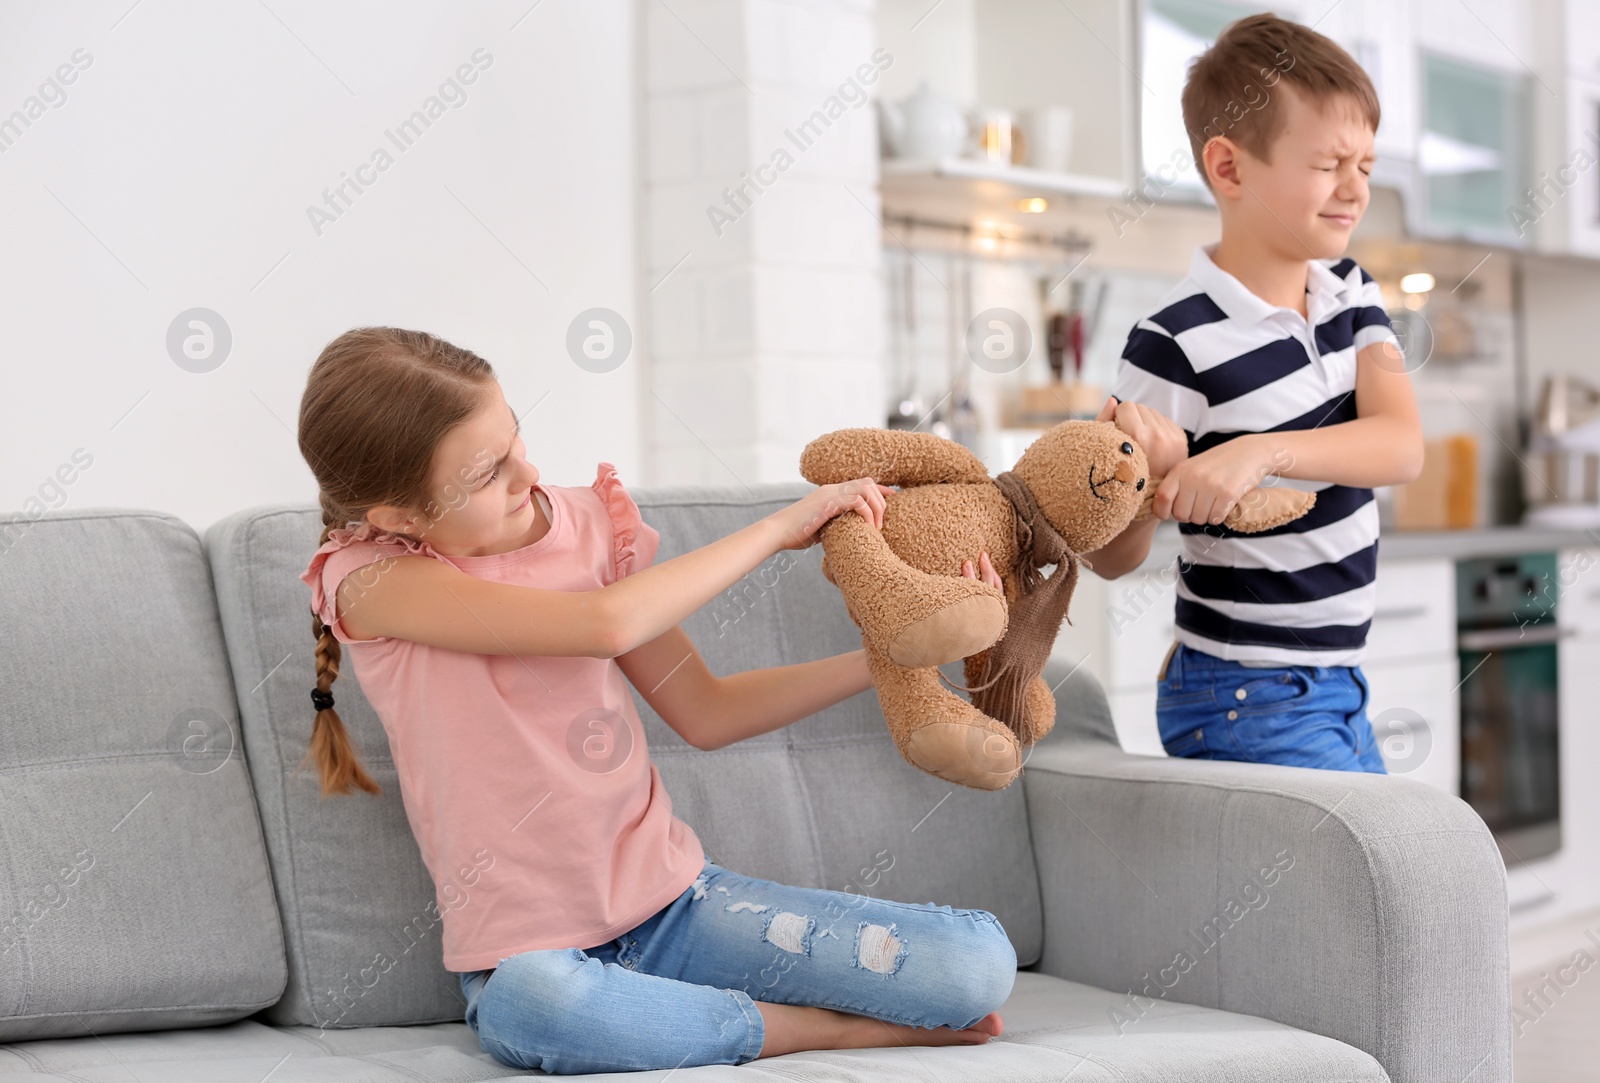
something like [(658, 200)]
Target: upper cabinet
[(1381, 35), (1568, 138), (1473, 150)]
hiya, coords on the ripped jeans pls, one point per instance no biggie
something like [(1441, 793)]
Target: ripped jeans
[(680, 988)]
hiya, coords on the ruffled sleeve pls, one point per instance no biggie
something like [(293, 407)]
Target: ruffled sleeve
[(634, 540), (361, 549)]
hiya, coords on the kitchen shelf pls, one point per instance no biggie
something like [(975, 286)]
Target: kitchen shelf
[(981, 179)]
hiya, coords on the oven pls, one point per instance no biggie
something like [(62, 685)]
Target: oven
[(1506, 636)]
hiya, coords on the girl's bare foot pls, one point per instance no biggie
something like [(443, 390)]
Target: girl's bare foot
[(791, 1029)]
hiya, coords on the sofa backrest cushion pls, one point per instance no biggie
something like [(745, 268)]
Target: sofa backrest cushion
[(135, 892), (360, 918), (827, 802)]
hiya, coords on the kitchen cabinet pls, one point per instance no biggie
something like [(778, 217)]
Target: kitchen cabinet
[(1581, 38), (1577, 880), (1578, 663), (1416, 719), (1381, 35), (1492, 35), (1568, 881), (1473, 151), (1570, 176), (1414, 618), (1120, 630), (1412, 670)]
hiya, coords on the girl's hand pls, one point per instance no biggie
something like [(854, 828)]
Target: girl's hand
[(1204, 488), (985, 572), (1164, 442), (805, 517)]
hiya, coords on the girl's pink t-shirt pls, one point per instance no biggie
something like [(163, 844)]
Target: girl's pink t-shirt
[(526, 779)]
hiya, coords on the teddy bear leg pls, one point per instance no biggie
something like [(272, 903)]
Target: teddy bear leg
[(939, 731), (917, 619), (1041, 713), (1038, 713)]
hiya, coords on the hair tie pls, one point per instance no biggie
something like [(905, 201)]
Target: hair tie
[(322, 700)]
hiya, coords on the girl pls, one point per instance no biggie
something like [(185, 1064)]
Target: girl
[(596, 935)]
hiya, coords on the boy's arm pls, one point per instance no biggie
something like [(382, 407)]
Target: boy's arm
[(1381, 446), (1125, 552)]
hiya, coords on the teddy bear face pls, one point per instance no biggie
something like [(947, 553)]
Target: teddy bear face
[(1089, 479)]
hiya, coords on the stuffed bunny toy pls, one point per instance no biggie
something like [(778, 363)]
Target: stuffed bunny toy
[(1074, 489)]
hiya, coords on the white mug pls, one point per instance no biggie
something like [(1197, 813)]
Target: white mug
[(1049, 138)]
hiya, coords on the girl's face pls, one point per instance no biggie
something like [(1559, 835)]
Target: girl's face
[(481, 493)]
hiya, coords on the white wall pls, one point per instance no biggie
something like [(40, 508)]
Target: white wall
[(177, 173), (1559, 322)]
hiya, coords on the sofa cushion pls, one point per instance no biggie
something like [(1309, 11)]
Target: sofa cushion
[(827, 802), (1055, 1030), (360, 919), (135, 892)]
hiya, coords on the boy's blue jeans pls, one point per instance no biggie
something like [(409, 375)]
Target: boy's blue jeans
[(679, 989), (1303, 716)]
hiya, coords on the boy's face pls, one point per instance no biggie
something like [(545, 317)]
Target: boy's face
[(1307, 198)]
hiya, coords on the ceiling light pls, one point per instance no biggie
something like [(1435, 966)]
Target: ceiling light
[(1418, 282), (1035, 205)]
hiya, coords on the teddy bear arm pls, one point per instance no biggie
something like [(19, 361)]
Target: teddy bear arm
[(890, 457)]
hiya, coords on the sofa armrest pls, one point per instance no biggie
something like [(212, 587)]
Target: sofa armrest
[(1368, 908)]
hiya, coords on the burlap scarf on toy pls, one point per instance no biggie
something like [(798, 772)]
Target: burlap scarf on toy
[(1035, 617)]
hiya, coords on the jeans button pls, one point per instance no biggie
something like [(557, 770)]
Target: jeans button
[(1232, 715), (1240, 693)]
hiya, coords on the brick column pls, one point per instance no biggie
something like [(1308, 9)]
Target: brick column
[(760, 282)]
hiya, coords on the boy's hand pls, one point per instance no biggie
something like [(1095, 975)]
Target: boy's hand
[(1204, 488), (1164, 442)]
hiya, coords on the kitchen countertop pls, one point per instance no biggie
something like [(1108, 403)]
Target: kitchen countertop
[(1485, 541)]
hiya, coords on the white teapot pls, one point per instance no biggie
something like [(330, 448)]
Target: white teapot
[(924, 127)]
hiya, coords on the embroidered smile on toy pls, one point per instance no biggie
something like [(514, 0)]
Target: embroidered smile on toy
[(1074, 489)]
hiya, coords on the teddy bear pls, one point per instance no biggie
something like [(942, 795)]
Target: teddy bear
[(1076, 487)]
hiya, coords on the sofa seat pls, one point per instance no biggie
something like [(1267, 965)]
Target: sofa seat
[(1055, 1030)]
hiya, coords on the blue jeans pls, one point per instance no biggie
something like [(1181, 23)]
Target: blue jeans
[(1304, 716), (680, 988)]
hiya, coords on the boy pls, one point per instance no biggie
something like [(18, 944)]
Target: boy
[(1273, 357)]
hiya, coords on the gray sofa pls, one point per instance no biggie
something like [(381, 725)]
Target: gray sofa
[(177, 903)]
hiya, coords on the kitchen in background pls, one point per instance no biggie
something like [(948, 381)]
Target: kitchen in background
[(1035, 166)]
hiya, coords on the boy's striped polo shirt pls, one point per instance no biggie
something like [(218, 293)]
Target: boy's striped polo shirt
[(1220, 361)]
